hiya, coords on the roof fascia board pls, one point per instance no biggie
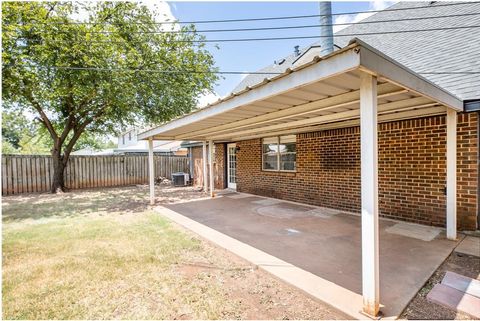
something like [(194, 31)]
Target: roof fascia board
[(473, 105), (375, 62), (338, 63)]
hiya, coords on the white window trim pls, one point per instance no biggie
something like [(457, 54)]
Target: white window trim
[(278, 157)]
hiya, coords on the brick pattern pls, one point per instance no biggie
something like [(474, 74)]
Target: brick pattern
[(412, 170)]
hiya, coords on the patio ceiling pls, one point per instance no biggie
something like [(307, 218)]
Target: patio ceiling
[(321, 94)]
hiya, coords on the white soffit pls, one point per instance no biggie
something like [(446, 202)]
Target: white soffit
[(321, 94)]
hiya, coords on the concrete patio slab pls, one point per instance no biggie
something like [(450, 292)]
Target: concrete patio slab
[(340, 298), (323, 255), (469, 245), (425, 233)]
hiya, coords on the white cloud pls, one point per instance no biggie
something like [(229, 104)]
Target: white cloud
[(161, 10), (350, 19), (207, 98)]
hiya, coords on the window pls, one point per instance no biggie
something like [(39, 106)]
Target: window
[(279, 153)]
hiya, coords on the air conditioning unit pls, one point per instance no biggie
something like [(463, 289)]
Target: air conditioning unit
[(180, 179)]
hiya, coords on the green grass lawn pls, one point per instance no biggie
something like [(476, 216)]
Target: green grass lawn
[(104, 254), (76, 257)]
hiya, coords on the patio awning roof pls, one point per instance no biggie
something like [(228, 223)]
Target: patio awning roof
[(321, 94)]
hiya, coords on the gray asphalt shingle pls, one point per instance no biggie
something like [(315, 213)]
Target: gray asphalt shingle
[(422, 51)]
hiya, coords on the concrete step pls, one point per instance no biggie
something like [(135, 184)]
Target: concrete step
[(462, 283), (455, 299), (469, 245)]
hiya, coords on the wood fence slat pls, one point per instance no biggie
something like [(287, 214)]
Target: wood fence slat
[(107, 171), (34, 173), (4, 176), (115, 171), (102, 166), (15, 175), (127, 174), (79, 172), (95, 172), (23, 170), (137, 166), (46, 166), (90, 171), (36, 187), (41, 166), (8, 161), (25, 176)]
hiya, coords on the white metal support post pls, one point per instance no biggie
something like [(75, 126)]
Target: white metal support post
[(369, 185), (151, 171), (205, 160), (451, 174), (210, 158)]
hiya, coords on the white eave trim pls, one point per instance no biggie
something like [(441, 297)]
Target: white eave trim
[(358, 55), (375, 62), (339, 62)]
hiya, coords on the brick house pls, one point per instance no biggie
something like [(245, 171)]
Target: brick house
[(412, 170), (385, 125)]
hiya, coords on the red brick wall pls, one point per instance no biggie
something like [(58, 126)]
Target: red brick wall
[(411, 170)]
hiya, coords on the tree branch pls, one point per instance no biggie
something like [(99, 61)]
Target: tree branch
[(78, 131), (44, 119)]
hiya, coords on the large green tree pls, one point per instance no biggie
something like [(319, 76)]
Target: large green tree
[(98, 74), (21, 136)]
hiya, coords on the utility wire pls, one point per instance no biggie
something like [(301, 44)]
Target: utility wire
[(285, 17), (158, 70), (279, 38), (215, 72), (285, 27)]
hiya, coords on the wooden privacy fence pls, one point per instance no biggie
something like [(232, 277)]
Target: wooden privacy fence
[(33, 173)]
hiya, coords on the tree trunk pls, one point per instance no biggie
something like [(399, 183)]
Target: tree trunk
[(58, 184)]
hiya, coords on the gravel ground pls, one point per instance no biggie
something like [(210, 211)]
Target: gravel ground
[(421, 308)]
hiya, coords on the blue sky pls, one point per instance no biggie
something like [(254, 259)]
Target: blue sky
[(251, 56)]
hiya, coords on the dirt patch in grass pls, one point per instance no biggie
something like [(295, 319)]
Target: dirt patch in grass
[(104, 254), (421, 308)]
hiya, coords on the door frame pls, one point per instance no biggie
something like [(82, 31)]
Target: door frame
[(230, 185)]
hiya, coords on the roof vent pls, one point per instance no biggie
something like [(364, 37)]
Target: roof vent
[(296, 50)]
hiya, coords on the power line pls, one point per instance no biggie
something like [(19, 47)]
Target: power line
[(290, 27), (280, 38), (280, 18), (285, 27), (158, 70), (214, 72)]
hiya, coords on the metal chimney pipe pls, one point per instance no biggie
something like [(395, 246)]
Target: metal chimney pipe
[(326, 28)]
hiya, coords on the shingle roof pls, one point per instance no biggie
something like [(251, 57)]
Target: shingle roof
[(432, 51)]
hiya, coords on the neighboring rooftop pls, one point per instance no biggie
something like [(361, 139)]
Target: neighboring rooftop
[(454, 50)]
